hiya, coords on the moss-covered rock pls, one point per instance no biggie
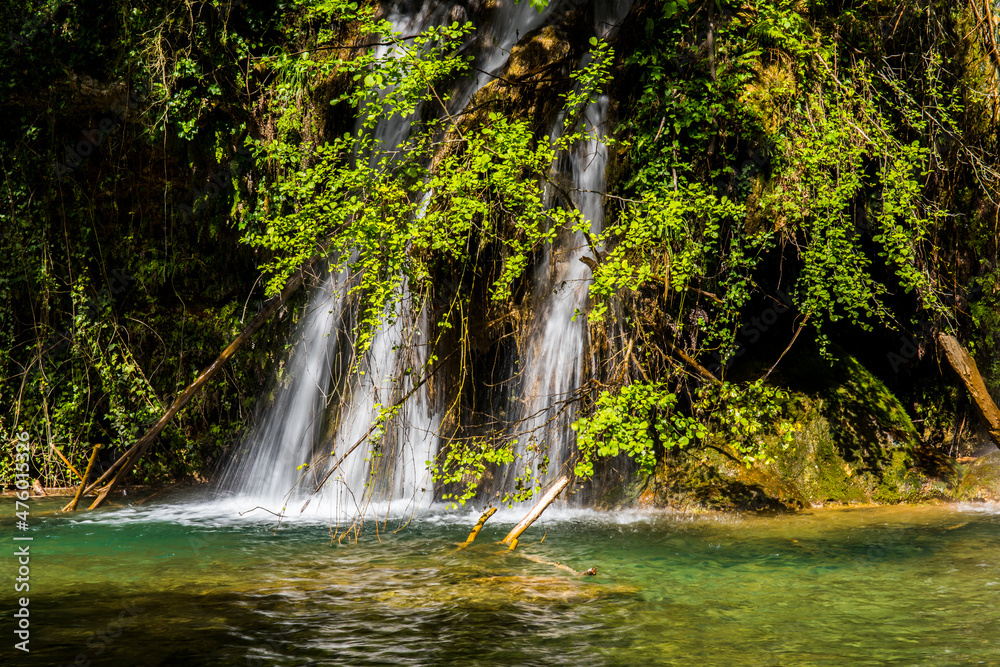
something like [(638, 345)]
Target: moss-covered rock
[(982, 479), (854, 444), (690, 481)]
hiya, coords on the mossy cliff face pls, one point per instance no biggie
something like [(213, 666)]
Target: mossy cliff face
[(854, 444)]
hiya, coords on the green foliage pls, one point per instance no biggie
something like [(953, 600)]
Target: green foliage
[(840, 173), (835, 153), (671, 237), (742, 414), (465, 462), (641, 419), (631, 422), (773, 145), (404, 210), (111, 305)]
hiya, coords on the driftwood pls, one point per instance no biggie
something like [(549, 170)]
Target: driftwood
[(71, 507), (965, 366), (127, 460), (536, 511)]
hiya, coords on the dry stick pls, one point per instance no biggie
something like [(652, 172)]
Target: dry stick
[(686, 358), (146, 441), (479, 525), (794, 338), (65, 460), (536, 511), (966, 368), (71, 507)]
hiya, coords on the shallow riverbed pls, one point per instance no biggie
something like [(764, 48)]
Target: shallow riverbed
[(187, 581)]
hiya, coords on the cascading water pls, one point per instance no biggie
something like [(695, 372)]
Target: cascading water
[(270, 462), (553, 367), (410, 436), (265, 467)]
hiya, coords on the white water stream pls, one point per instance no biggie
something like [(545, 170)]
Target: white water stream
[(552, 368), (265, 465), (270, 468)]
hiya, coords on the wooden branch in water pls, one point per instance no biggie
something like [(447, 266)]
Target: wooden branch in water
[(586, 573), (146, 441), (965, 366), (479, 524), (110, 471), (71, 507), (536, 511)]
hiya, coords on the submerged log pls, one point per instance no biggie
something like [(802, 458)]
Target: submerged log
[(71, 507), (536, 511), (129, 458), (592, 572), (966, 368)]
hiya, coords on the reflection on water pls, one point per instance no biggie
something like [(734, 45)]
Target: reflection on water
[(186, 583)]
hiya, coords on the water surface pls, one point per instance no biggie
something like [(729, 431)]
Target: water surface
[(189, 582)]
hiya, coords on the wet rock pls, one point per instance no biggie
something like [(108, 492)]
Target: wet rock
[(529, 85), (982, 479)]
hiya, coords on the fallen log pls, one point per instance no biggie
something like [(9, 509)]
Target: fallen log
[(125, 463), (965, 366), (71, 507), (479, 525), (536, 511)]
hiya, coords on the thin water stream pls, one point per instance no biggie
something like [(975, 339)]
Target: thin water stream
[(190, 582)]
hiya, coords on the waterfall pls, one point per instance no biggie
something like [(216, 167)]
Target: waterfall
[(388, 373), (552, 367), (270, 462), (266, 464)]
